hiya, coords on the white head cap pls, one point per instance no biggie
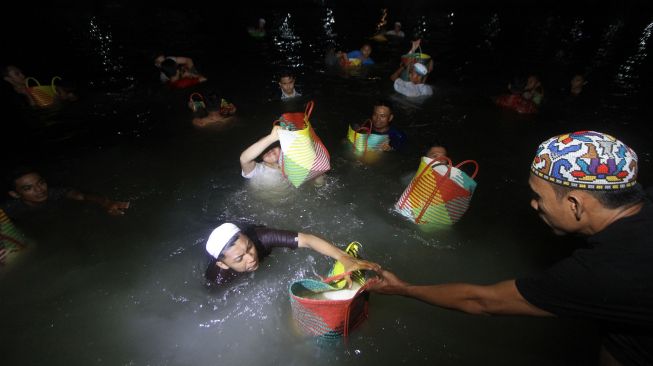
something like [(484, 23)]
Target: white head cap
[(220, 237), (420, 69)]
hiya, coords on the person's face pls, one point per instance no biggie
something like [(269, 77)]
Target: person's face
[(287, 84), (414, 77), (436, 152), (555, 212), (366, 51), (381, 118), (577, 81), (272, 155), (31, 189), (241, 257), (15, 74), (532, 82)]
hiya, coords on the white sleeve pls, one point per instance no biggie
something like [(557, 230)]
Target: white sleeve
[(257, 169)]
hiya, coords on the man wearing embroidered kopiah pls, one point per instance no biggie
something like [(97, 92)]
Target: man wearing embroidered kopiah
[(583, 183)]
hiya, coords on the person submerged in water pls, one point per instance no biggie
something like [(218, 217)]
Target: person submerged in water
[(287, 86), (381, 120), (211, 111), (268, 170), (30, 193), (235, 251), (178, 72), (15, 77)]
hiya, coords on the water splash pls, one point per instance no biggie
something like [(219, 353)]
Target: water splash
[(628, 73), (607, 45), (288, 44)]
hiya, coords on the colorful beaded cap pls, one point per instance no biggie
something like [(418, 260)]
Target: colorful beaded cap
[(586, 160)]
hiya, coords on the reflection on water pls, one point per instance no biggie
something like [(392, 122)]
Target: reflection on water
[(288, 45), (628, 73)]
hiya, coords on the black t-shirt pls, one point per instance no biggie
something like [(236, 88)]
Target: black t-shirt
[(610, 282), (264, 240)]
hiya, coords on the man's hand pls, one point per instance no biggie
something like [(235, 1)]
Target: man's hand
[(386, 283), (354, 264)]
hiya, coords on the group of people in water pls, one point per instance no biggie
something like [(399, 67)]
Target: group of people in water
[(582, 183)]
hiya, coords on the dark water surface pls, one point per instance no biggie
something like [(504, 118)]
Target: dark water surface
[(130, 290)]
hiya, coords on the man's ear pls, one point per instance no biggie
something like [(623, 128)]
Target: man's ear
[(14, 194), (391, 117), (576, 204), (221, 265)]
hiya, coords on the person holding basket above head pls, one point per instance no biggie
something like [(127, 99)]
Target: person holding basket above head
[(268, 169), (236, 250)]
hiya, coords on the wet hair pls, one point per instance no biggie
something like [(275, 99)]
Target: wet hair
[(16, 173), (383, 103), (286, 74), (272, 146), (608, 199), (518, 84), (169, 67), (436, 143)]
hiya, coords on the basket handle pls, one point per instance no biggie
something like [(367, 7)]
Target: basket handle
[(469, 161), (17, 242), (31, 78), (308, 110), (428, 167), (190, 98), (357, 131)]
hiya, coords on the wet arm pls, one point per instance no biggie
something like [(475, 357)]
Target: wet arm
[(396, 74), (112, 207), (248, 157), (501, 298), (326, 248)]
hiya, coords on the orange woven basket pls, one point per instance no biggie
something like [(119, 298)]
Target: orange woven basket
[(43, 95)]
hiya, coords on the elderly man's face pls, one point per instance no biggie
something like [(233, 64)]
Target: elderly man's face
[(556, 212)]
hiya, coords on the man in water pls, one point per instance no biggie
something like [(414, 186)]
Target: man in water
[(582, 183), (30, 193), (382, 117), (235, 251)]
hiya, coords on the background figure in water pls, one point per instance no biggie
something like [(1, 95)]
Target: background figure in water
[(287, 85), (178, 71), (15, 77), (211, 110), (30, 193), (608, 283), (357, 57), (396, 31), (235, 251)]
